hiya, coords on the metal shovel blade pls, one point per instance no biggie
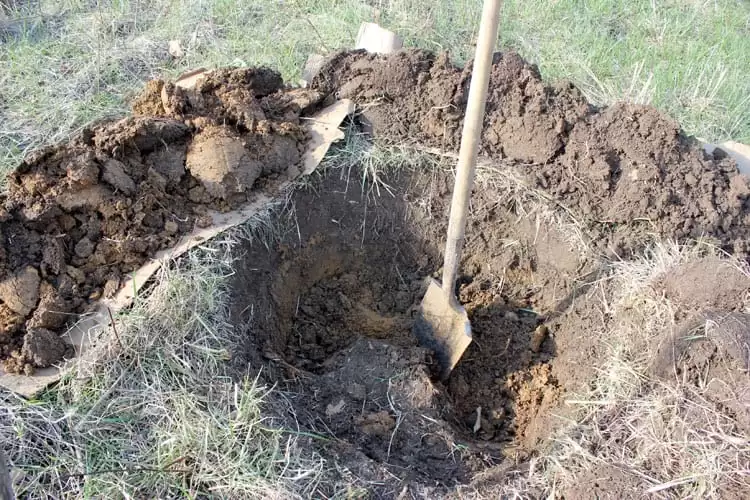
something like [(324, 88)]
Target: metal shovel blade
[(443, 326)]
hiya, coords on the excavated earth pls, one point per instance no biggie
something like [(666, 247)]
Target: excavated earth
[(328, 307), (79, 216)]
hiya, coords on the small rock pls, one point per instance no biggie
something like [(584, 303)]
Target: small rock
[(52, 309), (111, 287), (76, 274), (537, 338), (175, 49), (378, 423), (498, 415), (53, 256), (170, 227), (204, 221), (114, 174), (357, 391), (334, 409), (511, 316), (42, 348)]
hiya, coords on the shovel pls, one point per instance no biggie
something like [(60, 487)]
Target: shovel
[(443, 324)]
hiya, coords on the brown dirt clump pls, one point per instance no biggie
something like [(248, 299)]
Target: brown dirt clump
[(708, 283), (627, 171), (78, 217)]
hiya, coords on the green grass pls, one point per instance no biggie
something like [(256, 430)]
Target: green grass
[(72, 63)]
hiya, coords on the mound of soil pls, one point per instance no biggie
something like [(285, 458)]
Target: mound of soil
[(79, 216), (627, 171)]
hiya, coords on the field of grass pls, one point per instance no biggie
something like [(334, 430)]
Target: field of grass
[(68, 62)]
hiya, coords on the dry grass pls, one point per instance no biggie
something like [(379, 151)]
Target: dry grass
[(667, 437)]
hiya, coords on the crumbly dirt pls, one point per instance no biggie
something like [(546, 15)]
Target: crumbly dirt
[(627, 171), (79, 216)]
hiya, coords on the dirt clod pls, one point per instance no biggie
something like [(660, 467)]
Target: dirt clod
[(20, 292), (218, 159), (42, 347)]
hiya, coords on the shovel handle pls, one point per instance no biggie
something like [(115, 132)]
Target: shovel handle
[(470, 137)]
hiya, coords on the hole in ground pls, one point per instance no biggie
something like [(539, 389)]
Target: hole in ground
[(328, 310)]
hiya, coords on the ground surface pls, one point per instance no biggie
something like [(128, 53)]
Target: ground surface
[(600, 368), (330, 310)]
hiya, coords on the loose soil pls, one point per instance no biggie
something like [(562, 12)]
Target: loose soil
[(328, 306), (79, 216), (627, 171)]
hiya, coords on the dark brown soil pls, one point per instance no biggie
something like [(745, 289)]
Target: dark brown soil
[(79, 216), (627, 171)]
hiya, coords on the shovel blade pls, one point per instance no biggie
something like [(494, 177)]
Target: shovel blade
[(443, 326)]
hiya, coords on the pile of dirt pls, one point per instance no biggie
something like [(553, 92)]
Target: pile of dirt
[(78, 217), (627, 171)]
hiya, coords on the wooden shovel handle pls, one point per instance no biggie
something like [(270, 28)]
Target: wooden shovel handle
[(470, 137)]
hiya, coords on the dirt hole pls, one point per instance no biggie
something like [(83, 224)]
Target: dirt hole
[(328, 309)]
